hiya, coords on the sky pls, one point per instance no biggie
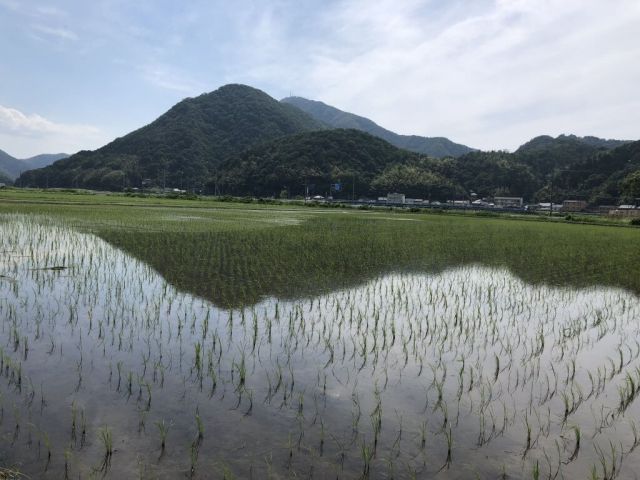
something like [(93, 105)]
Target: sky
[(491, 74)]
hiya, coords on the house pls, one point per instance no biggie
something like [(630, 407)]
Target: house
[(574, 205), (629, 212), (396, 198), (605, 209), (506, 202), (545, 207)]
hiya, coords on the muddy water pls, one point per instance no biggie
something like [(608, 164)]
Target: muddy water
[(466, 373)]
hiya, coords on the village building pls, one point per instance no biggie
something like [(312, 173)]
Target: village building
[(574, 205), (506, 202)]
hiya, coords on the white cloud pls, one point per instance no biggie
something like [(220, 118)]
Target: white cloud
[(488, 73), (57, 32), (15, 121), (493, 78), (30, 134)]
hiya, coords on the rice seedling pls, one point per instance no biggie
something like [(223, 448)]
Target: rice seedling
[(193, 458), (106, 437), (163, 429), (200, 426)]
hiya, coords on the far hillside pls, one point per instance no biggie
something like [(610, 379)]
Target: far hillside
[(11, 167), (432, 146)]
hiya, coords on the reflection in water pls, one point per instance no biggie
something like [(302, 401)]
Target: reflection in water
[(470, 371), (235, 269)]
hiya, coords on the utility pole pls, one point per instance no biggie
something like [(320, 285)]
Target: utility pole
[(551, 196)]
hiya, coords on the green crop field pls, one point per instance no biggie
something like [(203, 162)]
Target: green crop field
[(232, 253)]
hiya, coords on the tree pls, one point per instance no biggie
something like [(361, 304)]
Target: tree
[(631, 186)]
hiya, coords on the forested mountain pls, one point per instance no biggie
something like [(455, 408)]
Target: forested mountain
[(603, 178), (546, 141), (184, 146), (11, 167), (313, 161), (563, 168), (432, 146), (238, 140), (546, 154)]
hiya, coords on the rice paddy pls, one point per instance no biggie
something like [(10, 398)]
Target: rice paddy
[(279, 343)]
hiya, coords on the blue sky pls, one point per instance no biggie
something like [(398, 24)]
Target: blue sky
[(488, 73)]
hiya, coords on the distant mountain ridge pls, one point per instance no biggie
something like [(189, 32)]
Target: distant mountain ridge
[(438, 147), (547, 141), (12, 167)]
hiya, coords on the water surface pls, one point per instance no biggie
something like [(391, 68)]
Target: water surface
[(452, 374)]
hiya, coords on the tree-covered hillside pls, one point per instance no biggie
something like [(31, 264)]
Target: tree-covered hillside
[(184, 146), (602, 178), (318, 159), (312, 161), (545, 154), (545, 169)]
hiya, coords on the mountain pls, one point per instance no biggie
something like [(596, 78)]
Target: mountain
[(239, 140), (545, 154), (433, 146), (312, 160), (184, 146), (5, 178), (12, 167), (544, 169), (601, 177), (44, 159), (546, 141), (7, 164)]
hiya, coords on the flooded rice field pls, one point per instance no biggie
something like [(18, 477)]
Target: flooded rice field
[(107, 370)]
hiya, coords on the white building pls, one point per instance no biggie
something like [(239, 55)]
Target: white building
[(396, 198), (508, 201)]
